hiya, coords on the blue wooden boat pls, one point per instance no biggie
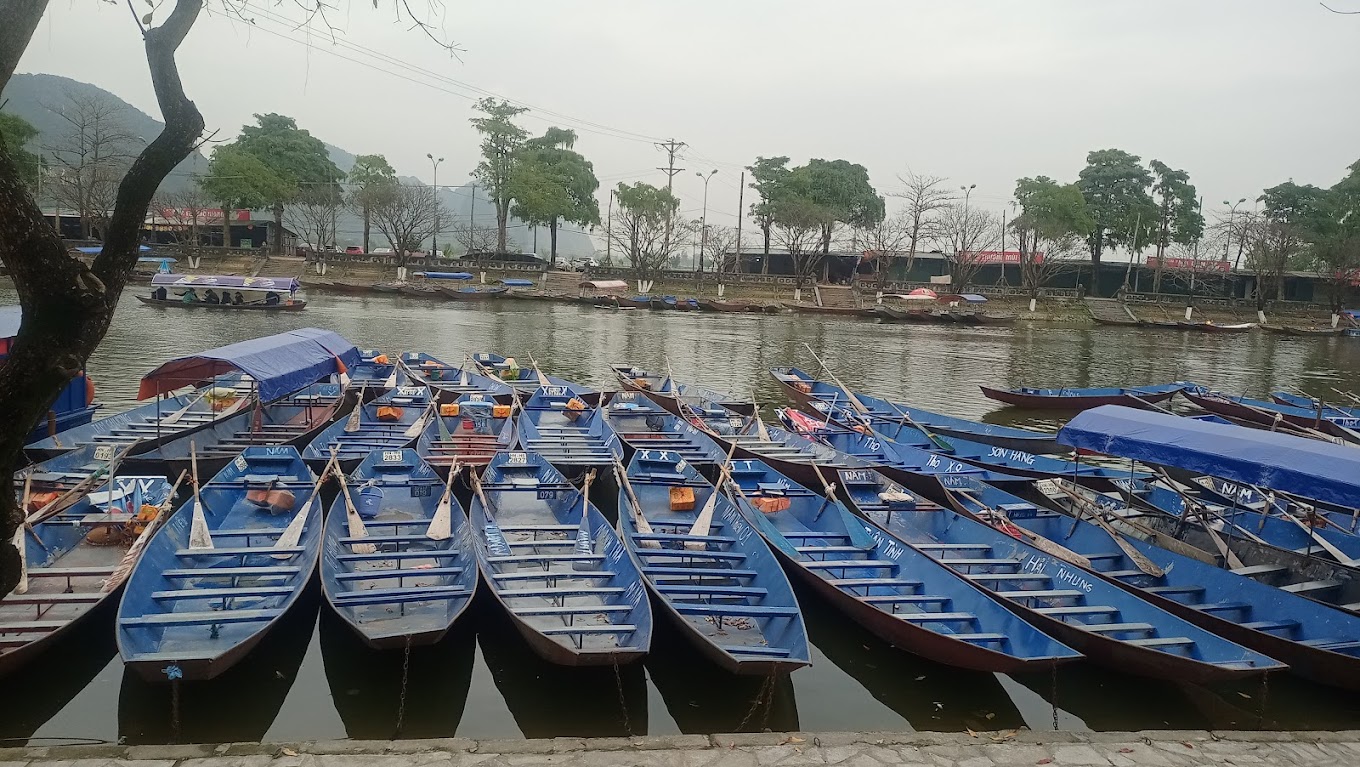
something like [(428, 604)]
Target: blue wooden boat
[(676, 304), (1081, 399), (561, 428), (646, 426), (788, 453), (373, 371), (75, 404), (724, 588), (1311, 403), (70, 576), (470, 437), (451, 382), (411, 590), (1099, 619), (1266, 413), (526, 380), (191, 613), (1318, 642), (816, 397), (675, 395), (885, 585), (293, 420), (561, 572), (374, 431)]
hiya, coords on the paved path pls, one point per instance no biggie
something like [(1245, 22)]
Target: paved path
[(1159, 749)]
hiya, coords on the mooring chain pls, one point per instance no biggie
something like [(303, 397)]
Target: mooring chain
[(1053, 697), (405, 676), (766, 689), (623, 701)]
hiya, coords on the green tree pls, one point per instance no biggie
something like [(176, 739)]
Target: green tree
[(767, 174), (1332, 221), (1115, 186), (645, 228), (553, 183), (1053, 223), (16, 132), (843, 192), (239, 179), (1179, 220), (297, 157), (798, 225), (372, 179), (501, 143)]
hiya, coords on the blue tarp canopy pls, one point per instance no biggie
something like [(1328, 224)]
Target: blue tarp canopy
[(1307, 467), (445, 275), (517, 283), (94, 249), (280, 364), (10, 317), (182, 281)]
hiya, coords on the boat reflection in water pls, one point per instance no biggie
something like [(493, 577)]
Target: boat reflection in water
[(930, 696), (549, 701), (366, 684), (703, 699), (240, 705), (54, 678)]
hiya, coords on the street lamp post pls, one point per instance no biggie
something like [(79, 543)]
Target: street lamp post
[(703, 221), (434, 239), (965, 240)]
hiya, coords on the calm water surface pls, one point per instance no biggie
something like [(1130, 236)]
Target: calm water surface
[(310, 679)]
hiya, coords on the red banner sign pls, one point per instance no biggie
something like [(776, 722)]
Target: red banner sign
[(1191, 264), (997, 257), (205, 216)]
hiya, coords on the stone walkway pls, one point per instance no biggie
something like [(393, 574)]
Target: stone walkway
[(1160, 749)]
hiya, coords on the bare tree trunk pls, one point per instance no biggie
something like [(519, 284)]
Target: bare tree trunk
[(367, 215), (502, 221), (67, 306), (226, 225), (552, 240), (277, 234), (765, 262)]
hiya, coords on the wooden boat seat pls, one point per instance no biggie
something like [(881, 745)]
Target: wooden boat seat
[(536, 542), (1253, 571), (736, 610), (244, 551), (538, 528), (224, 593), (1168, 590), (248, 532), (952, 546), (350, 540), (563, 591), (69, 572), (983, 638), (813, 534), (1334, 644), (398, 596), (263, 571), (697, 572), (364, 575), (211, 618), (1123, 573), (717, 591), (1104, 556), (1077, 610), (1043, 594), (850, 564), (1308, 587), (381, 555), (521, 558), (971, 562), (1162, 642), (1287, 624), (834, 549), (1223, 607), (1115, 628), (891, 599), (612, 628), (761, 650), (726, 556), (1002, 577), (87, 598), (552, 575), (658, 476), (854, 582), (31, 627), (720, 539), (930, 617), (574, 610)]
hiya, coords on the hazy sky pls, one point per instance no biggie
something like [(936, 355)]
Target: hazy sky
[(1241, 93)]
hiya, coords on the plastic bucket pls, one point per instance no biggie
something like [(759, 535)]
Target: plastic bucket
[(369, 502)]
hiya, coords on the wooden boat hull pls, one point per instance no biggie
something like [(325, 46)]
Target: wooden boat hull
[(669, 403), (730, 307), (1237, 411), (345, 287), (295, 306), (1287, 330), (473, 295), (1043, 402), (1213, 327)]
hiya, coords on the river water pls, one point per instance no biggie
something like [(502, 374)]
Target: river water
[(311, 680)]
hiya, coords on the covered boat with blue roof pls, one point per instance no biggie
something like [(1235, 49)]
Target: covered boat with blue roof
[(75, 405), (205, 291)]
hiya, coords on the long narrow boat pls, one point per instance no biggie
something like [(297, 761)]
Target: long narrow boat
[(646, 426), (1311, 403), (1095, 617), (451, 382), (1152, 511), (560, 427), (373, 372), (885, 585), (191, 613), (286, 305), (473, 431), (526, 380), (556, 566), (1266, 413), (674, 395), (293, 420), (74, 563), (1081, 399), (814, 396), (1209, 326), (1318, 642), (473, 292), (721, 586), (790, 454), (389, 422), (413, 587)]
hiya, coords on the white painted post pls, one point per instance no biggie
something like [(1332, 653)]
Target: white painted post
[(1336, 320), (401, 274), (483, 278), (720, 289), (1032, 303), (797, 294), (1260, 316), (1189, 310), (878, 297)]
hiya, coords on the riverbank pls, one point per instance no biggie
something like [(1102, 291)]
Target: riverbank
[(1116, 749)]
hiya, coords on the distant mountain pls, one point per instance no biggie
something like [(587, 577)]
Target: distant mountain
[(32, 97)]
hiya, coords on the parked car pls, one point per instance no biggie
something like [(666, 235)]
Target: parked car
[(382, 251), (354, 250), (582, 264)]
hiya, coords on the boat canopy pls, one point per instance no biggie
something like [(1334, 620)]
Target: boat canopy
[(605, 284), (445, 275), (91, 250), (1307, 467), (964, 298), (157, 260), (290, 284), (10, 317), (913, 296), (280, 363), (517, 283)]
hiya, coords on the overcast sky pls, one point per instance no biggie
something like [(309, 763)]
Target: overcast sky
[(1243, 94)]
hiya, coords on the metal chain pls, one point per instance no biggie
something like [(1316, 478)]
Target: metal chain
[(1265, 700), (174, 708), (623, 701), (768, 683), (1053, 697), (405, 676), (769, 700)]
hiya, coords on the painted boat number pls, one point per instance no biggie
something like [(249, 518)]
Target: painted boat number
[(547, 495), (410, 391), (103, 453), (240, 463), (391, 456), (859, 475), (517, 459), (553, 391), (421, 491)]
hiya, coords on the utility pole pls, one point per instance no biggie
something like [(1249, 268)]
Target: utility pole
[(434, 239), (741, 200), (703, 222), (472, 228), (671, 148), (609, 231)]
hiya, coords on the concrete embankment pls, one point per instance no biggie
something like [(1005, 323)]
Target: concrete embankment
[(1159, 748)]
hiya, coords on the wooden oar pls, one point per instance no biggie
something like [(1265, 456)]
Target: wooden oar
[(1097, 514), (538, 371), (417, 426), (491, 512), (352, 425), (639, 520), (584, 545), (18, 541), (352, 518), (292, 534), (703, 523), (391, 382), (134, 552), (199, 537), (1039, 542), (441, 526), (1155, 537), (829, 488), (174, 417), (1229, 557), (73, 494), (1354, 399)]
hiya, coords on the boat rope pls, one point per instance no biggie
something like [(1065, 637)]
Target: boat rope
[(405, 676), (174, 708), (623, 701), (1265, 700)]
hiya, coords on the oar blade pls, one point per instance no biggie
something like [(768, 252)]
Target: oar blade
[(441, 526), (199, 536)]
